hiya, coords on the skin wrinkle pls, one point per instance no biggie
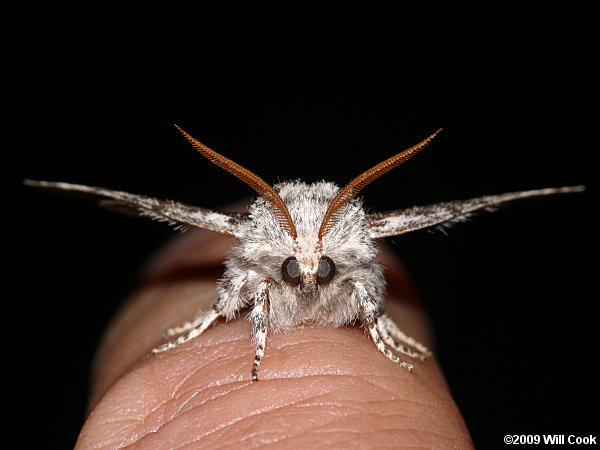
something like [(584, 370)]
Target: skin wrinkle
[(186, 378), (333, 440), (109, 443), (218, 356), (115, 433), (263, 415), (249, 424), (262, 440), (146, 419), (311, 345), (309, 374), (207, 400), (346, 416), (256, 417), (338, 390), (267, 419), (374, 414), (331, 419), (180, 409), (213, 398), (215, 349), (205, 435), (259, 415), (349, 417), (343, 443), (265, 431), (230, 424), (241, 385), (343, 432)]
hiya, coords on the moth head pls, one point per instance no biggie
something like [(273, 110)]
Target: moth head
[(308, 272), (309, 260), (322, 270)]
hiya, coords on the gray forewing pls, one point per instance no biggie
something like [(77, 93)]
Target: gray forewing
[(165, 210), (415, 218)]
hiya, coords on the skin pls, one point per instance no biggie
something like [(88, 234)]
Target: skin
[(320, 387)]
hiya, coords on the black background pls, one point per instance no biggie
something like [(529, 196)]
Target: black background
[(311, 94)]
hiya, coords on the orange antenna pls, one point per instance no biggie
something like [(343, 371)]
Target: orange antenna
[(264, 189), (350, 191)]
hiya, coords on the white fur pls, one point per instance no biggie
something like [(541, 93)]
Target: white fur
[(253, 276), (264, 245)]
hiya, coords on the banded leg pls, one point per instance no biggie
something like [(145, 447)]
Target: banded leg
[(228, 303), (374, 332), (196, 328), (389, 340), (260, 323), (180, 329), (370, 311), (397, 334)]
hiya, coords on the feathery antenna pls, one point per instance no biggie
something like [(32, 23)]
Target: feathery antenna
[(264, 189), (357, 184)]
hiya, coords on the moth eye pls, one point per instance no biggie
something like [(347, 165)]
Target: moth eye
[(290, 270), (326, 270)]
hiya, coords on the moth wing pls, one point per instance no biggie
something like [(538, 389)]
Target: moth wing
[(404, 221), (163, 210)]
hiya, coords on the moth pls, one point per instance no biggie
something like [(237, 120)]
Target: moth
[(306, 252)]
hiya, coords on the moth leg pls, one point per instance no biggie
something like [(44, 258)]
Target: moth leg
[(199, 326), (180, 329), (227, 305), (389, 340), (370, 311), (260, 322), (397, 334), (376, 336)]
